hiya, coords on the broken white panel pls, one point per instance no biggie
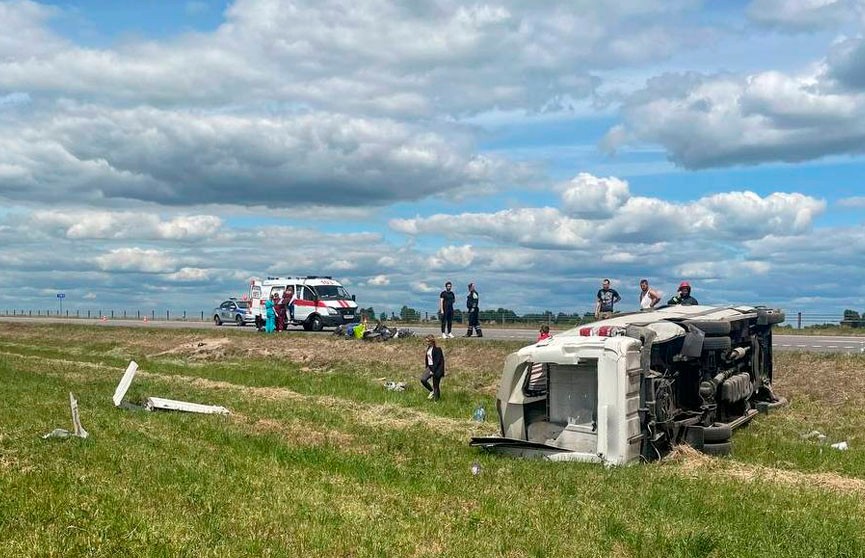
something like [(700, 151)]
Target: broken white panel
[(154, 403), (125, 382), (78, 430), (76, 420)]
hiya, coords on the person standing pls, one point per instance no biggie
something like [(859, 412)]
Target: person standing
[(474, 311), (683, 296), (648, 297), (279, 309), (289, 298), (605, 300), (270, 323), (446, 310), (434, 367)]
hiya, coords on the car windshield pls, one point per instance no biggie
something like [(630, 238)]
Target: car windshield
[(332, 292), (243, 304)]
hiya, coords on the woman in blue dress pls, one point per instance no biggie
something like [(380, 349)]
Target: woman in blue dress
[(270, 324)]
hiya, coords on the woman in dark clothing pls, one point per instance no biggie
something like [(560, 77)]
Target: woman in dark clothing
[(279, 308), (434, 367)]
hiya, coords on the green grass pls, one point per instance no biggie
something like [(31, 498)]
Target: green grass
[(324, 462)]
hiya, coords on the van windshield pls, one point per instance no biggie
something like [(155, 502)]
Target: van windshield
[(332, 292)]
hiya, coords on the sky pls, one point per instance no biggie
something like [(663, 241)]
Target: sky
[(158, 155)]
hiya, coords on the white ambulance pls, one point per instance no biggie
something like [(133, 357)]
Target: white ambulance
[(319, 301)]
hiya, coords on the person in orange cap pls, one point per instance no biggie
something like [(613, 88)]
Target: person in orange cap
[(683, 296)]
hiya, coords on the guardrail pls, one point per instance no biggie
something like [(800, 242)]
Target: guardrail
[(796, 320)]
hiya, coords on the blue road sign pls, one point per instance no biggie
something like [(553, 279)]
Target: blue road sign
[(61, 295)]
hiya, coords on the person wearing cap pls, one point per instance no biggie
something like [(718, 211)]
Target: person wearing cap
[(473, 307), (434, 367), (446, 310), (683, 296)]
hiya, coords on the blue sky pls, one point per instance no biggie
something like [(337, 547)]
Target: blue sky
[(160, 154)]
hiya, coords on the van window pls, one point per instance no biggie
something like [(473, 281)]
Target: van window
[(573, 393), (332, 292), (307, 293)]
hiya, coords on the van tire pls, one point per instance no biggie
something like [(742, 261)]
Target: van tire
[(216, 320), (316, 323), (715, 434), (711, 327), (722, 448), (307, 326)]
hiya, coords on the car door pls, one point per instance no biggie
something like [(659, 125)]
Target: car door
[(224, 313)]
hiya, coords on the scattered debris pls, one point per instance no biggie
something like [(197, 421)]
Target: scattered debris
[(815, 435), (480, 414), (77, 430), (476, 468), (158, 403), (840, 446), (394, 386)]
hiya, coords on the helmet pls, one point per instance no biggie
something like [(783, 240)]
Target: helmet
[(684, 285)]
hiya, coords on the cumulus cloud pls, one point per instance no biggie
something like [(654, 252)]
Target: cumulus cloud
[(126, 225), (738, 215), (379, 281), (803, 15), (722, 120), (451, 257), (177, 158), (503, 54), (136, 259), (590, 196)]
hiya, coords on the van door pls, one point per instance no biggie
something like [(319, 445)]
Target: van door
[(305, 304)]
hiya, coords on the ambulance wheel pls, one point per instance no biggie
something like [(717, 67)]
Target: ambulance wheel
[(316, 324), (216, 320), (307, 326)]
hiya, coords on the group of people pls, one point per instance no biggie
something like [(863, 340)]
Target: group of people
[(279, 311), (607, 297), (447, 300)]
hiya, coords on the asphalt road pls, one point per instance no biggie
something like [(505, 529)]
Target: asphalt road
[(813, 343)]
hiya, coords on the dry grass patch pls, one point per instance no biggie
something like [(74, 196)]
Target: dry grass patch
[(691, 463)]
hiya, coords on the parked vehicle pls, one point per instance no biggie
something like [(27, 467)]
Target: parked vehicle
[(631, 387), (320, 301), (233, 311)]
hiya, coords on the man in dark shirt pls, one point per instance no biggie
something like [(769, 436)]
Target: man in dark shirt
[(605, 300), (446, 310), (473, 307), (683, 296)]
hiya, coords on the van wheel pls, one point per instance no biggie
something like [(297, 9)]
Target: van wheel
[(722, 448), (710, 327), (239, 321), (307, 326), (717, 343), (715, 434), (216, 320), (316, 324)]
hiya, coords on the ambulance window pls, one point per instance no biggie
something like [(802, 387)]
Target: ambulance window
[(308, 293)]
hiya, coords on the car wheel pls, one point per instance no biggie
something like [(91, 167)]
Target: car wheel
[(239, 321), (717, 344), (715, 434), (711, 327), (723, 448), (216, 320), (316, 324)]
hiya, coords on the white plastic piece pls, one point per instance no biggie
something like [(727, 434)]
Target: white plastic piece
[(840, 446), (154, 403), (78, 430), (125, 382)]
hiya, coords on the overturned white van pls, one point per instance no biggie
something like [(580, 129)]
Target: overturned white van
[(631, 387)]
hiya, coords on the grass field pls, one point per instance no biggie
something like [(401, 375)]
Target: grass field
[(318, 459)]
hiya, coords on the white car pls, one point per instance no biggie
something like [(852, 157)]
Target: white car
[(630, 387)]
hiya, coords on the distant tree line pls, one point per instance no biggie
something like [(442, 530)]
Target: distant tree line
[(852, 318)]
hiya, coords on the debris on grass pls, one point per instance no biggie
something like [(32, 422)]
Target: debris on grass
[(843, 446), (394, 386), (158, 403), (815, 435), (77, 430), (480, 414)]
